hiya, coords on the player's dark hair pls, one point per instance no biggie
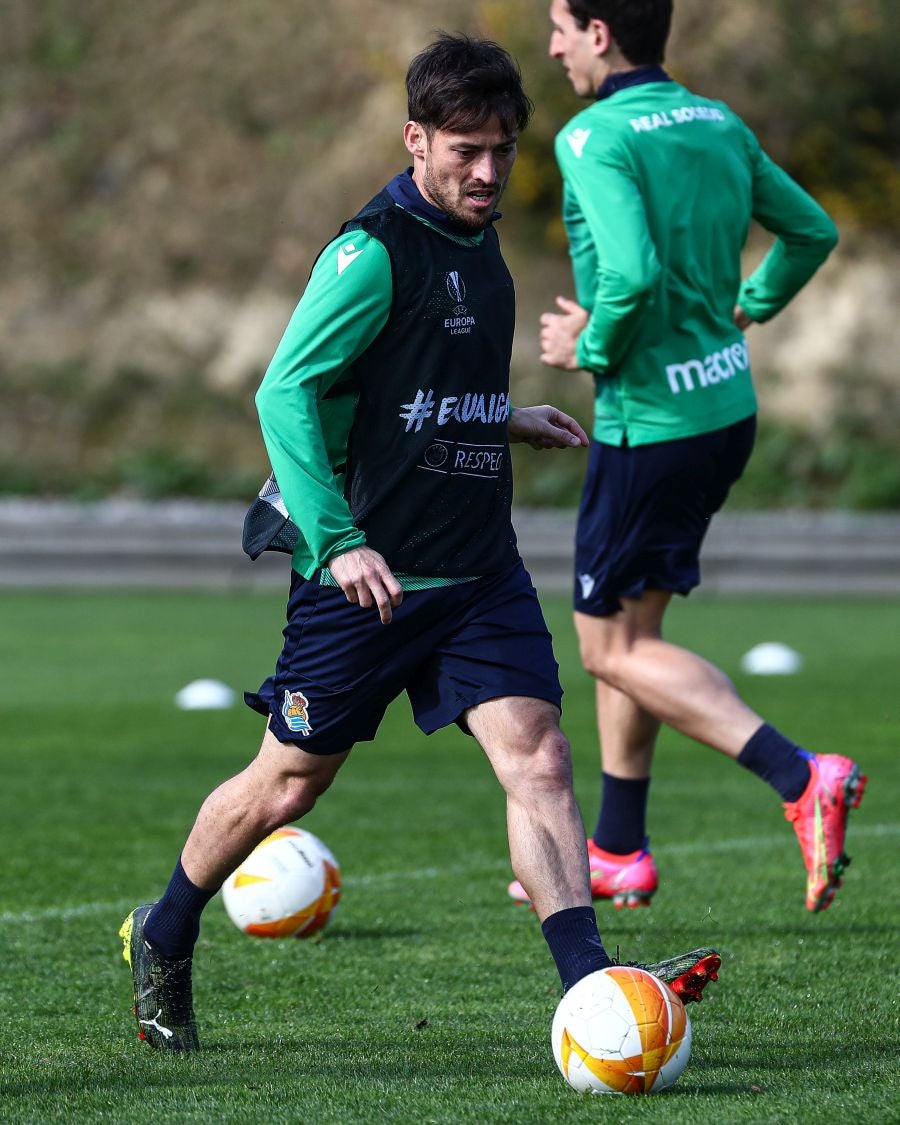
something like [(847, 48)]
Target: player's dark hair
[(639, 27), (459, 83)]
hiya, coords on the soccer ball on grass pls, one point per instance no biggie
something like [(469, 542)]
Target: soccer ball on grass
[(621, 1031), (289, 886)]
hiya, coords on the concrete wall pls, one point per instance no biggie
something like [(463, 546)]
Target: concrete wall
[(191, 545)]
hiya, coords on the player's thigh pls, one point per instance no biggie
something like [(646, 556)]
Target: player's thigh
[(605, 643), (283, 764), (638, 618)]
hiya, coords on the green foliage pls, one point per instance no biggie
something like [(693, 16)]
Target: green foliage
[(793, 468), (150, 147), (821, 88), (429, 998), (58, 41), (160, 472), (549, 478), (186, 130), (850, 468), (552, 478), (818, 83), (74, 435)]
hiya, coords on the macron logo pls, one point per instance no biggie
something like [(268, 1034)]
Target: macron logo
[(346, 255), (577, 139)]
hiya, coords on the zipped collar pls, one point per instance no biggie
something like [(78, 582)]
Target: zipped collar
[(405, 193), (625, 78)]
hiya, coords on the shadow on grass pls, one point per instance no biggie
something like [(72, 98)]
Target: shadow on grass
[(374, 933)]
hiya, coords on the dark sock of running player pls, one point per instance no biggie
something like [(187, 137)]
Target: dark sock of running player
[(173, 925), (621, 826), (575, 944), (777, 760)]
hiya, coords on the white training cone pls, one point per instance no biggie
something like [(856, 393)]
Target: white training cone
[(771, 659), (205, 695)]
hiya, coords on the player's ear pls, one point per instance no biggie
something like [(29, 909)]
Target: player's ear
[(415, 139), (603, 39)]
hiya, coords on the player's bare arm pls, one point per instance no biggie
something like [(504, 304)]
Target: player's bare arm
[(545, 427), (560, 332), (366, 579)]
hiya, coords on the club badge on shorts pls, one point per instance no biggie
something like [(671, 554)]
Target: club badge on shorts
[(295, 712)]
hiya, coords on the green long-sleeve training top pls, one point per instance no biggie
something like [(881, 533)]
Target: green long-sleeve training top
[(660, 187)]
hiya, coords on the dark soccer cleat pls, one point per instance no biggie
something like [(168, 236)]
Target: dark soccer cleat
[(163, 1002), (688, 974)]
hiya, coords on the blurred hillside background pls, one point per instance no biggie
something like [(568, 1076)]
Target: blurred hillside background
[(170, 170)]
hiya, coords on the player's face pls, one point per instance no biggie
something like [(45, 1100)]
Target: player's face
[(463, 174), (575, 48)]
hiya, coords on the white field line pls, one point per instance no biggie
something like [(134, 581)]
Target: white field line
[(737, 844)]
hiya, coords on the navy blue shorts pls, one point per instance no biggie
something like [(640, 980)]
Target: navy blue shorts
[(448, 648), (645, 510)]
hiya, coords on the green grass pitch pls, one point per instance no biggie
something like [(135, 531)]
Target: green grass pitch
[(430, 997)]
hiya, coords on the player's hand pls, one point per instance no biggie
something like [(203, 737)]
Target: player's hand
[(741, 319), (367, 580), (545, 427), (560, 332)]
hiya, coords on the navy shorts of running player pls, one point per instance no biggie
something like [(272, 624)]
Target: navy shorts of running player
[(448, 648), (645, 510)]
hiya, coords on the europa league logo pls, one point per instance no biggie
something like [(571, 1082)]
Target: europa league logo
[(456, 287)]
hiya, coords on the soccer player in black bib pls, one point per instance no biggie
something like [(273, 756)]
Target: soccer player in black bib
[(386, 416)]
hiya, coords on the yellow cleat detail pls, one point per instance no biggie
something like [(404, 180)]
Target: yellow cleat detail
[(125, 934)]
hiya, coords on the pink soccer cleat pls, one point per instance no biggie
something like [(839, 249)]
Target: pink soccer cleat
[(629, 880), (819, 816)]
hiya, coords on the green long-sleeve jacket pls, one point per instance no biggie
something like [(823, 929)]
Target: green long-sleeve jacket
[(660, 187), (345, 305)]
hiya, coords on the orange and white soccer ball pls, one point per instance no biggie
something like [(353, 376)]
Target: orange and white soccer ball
[(621, 1031), (289, 886)]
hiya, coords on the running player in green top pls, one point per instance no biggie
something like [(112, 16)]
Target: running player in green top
[(660, 188)]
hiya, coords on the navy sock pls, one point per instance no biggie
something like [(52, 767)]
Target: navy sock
[(777, 760), (173, 925), (621, 826), (575, 944)]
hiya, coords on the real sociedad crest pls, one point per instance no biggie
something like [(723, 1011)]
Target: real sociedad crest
[(295, 712)]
